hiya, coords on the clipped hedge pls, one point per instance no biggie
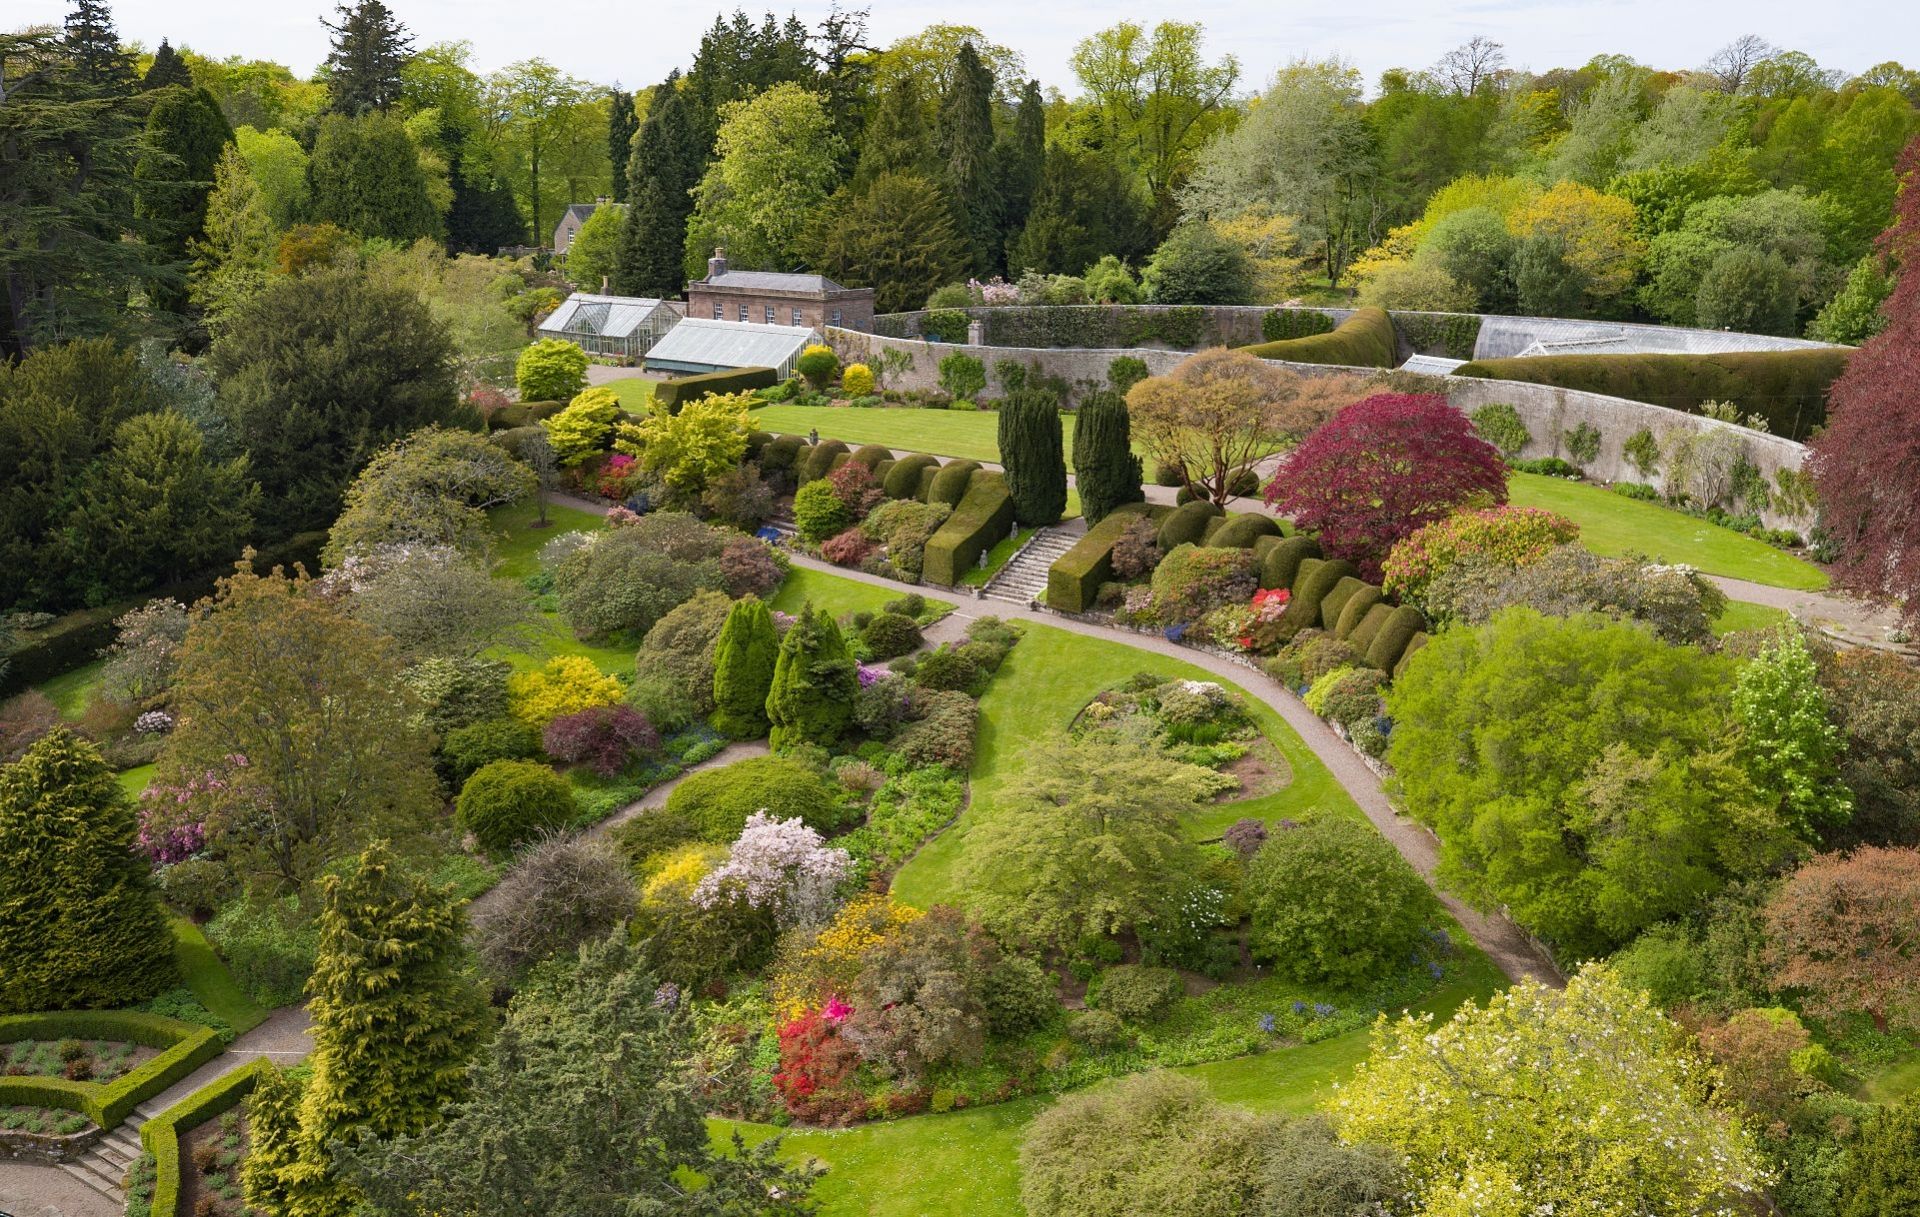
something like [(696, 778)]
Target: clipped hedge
[(871, 455), (1787, 388), (1393, 642), (782, 453), (817, 462), (1364, 340), (1074, 579), (672, 394), (184, 1047), (1310, 586), (523, 414), (881, 469), (1368, 628), (756, 442), (1453, 335), (984, 516), (1103, 326), (1336, 599), (950, 483), (160, 1136), (1185, 525), (1413, 647), (1355, 610), (1285, 324), (903, 480), (1281, 562)]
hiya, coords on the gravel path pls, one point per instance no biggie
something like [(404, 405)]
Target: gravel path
[(34, 1189), (284, 1038), (1842, 619)]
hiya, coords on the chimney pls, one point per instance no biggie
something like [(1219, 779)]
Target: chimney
[(717, 264)]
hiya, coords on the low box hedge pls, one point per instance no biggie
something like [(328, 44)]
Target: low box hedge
[(1242, 529), (161, 1135), (817, 461), (670, 395), (1185, 525), (903, 480), (950, 483), (1787, 388), (1281, 562), (1388, 647), (1364, 340), (1074, 579), (984, 516), (184, 1047)]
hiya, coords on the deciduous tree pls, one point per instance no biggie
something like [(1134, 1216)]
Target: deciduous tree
[(1212, 416), (431, 488), (1843, 931), (775, 164)]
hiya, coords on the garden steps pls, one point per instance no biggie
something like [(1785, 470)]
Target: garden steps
[(104, 1166), (1024, 578)]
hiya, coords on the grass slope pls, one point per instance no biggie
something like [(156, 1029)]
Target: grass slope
[(635, 393), (840, 596), (210, 981), (964, 433), (1612, 524)]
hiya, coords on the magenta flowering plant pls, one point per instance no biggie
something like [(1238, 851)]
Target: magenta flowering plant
[(178, 820), (836, 1011), (871, 674)]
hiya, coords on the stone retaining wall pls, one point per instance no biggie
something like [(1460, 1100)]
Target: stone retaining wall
[(1083, 369)]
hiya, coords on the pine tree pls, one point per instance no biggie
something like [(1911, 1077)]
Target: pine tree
[(166, 70), (1018, 160), (622, 122), (1882, 1176), (814, 682), (966, 152), (395, 1020), (80, 924), (896, 140), (1030, 452), (1105, 470), (370, 47), (100, 66), (743, 661), (668, 160)]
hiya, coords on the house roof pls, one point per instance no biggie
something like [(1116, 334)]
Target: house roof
[(611, 316), (771, 281), (581, 210), (700, 344)]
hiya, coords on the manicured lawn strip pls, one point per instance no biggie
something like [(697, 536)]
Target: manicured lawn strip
[(1743, 616), (71, 691), (963, 433), (210, 981), (1043, 684), (135, 780), (842, 596), (1612, 524), (635, 393), (996, 558)]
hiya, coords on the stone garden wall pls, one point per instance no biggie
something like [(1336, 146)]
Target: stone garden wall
[(1083, 369)]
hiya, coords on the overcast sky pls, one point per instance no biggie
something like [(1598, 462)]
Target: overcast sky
[(638, 42)]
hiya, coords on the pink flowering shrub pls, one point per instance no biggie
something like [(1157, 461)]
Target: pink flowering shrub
[(617, 476), (603, 738), (778, 866), (1511, 536), (174, 819)]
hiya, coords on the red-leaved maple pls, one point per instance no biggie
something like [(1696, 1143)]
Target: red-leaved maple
[(1866, 464), (1380, 469), (1845, 930)]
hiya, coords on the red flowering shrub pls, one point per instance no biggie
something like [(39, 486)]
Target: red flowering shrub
[(855, 486), (617, 477), (603, 738), (1263, 628), (1511, 536), (1382, 468), (816, 1075), (487, 401), (850, 548)]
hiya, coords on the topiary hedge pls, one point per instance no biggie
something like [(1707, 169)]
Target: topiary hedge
[(950, 483), (1280, 562), (756, 441), (903, 480), (1102, 326), (1242, 529), (1364, 340), (1394, 642), (718, 801), (1406, 656), (1787, 388), (1355, 610), (817, 461), (1453, 335), (1315, 578), (1336, 599), (161, 1135), (672, 394), (522, 414), (782, 453), (871, 455), (184, 1047), (983, 517), (1074, 579), (1285, 324), (1185, 525), (1368, 627), (507, 802)]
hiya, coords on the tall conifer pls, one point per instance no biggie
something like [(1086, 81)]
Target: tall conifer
[(1105, 470), (370, 47)]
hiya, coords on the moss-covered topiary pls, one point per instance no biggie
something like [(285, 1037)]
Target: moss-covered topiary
[(1186, 525), (903, 480), (782, 454), (1336, 599), (508, 802), (817, 462), (1364, 340), (951, 482), (718, 801), (1280, 561), (1242, 529), (1310, 586), (1413, 648), (871, 455), (1395, 636), (1355, 610)]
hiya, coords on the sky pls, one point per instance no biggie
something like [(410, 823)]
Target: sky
[(637, 43)]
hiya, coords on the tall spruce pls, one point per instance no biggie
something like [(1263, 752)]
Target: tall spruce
[(814, 683), (1105, 469), (167, 69), (1030, 450), (1019, 158), (186, 136), (80, 923), (743, 663), (738, 59), (622, 123), (99, 64), (896, 140), (370, 47), (669, 157), (966, 154)]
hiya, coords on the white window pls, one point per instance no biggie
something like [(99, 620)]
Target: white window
[(771, 314), (719, 311), (836, 317), (796, 317), (743, 312)]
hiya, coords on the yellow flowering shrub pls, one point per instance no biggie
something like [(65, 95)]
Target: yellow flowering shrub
[(567, 684), (675, 873), (856, 380), (811, 968)]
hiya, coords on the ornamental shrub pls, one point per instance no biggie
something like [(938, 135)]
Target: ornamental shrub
[(1499, 424), (743, 663), (1136, 552), (849, 548), (1509, 536), (1583, 443), (962, 375), (1106, 472), (718, 801), (856, 380), (948, 668), (552, 369), (1099, 1030), (679, 651), (1019, 995), (508, 802), (631, 577), (942, 732), (890, 635), (1354, 697), (751, 567), (814, 681), (1030, 452), (466, 749), (585, 427), (1333, 902), (1124, 372), (1193, 580), (817, 363), (564, 892), (566, 683), (1382, 468), (905, 526), (1138, 994), (606, 739), (819, 512), (856, 487)]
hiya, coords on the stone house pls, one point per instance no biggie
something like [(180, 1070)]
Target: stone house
[(776, 298), (570, 221)]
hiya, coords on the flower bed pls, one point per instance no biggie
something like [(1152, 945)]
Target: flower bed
[(161, 1135), (182, 1048)]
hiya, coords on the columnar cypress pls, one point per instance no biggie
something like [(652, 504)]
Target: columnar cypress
[(1105, 470), (966, 151), (743, 663), (814, 682), (1030, 451), (80, 925), (668, 159), (621, 125)]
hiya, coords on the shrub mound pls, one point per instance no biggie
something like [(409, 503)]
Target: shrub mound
[(718, 801), (507, 802)]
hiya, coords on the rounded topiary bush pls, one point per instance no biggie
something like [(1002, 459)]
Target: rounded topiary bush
[(856, 380), (891, 635), (507, 802), (819, 513), (1138, 994), (719, 801)]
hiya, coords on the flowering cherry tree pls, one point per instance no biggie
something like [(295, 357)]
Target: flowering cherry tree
[(781, 866)]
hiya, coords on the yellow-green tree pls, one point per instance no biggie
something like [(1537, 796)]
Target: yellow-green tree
[(585, 427), (689, 449)]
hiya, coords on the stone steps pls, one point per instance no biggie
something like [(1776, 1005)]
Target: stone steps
[(1024, 578), (104, 1167)]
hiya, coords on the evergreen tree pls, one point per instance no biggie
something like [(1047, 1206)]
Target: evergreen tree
[(966, 154), (896, 140), (743, 662), (395, 1019), (99, 64), (80, 924), (896, 237), (273, 1143), (1083, 207), (1030, 451), (370, 48), (669, 158), (484, 216), (166, 69), (367, 179), (737, 60), (1019, 160), (622, 123), (1882, 1176), (814, 682), (1105, 470), (186, 136)]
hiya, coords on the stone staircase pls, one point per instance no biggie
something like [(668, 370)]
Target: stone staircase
[(104, 1167), (1023, 579)]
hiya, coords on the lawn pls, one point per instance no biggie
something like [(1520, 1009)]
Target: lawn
[(209, 979), (517, 552), (842, 596), (1740, 615), (1612, 524), (635, 393), (134, 780), (71, 691), (1045, 681), (963, 433)]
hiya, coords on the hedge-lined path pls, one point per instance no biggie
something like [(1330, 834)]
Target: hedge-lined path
[(1842, 619), (1504, 942)]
